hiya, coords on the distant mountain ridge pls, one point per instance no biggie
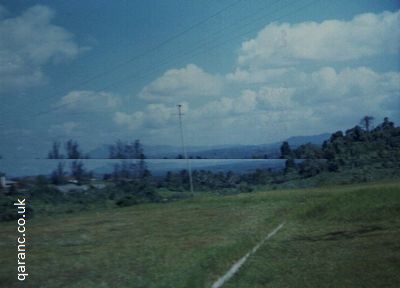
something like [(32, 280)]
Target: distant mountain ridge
[(314, 139), (40, 150), (271, 150)]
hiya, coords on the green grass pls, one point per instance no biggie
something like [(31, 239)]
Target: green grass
[(341, 236), (337, 237)]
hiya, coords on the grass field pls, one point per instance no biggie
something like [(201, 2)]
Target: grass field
[(341, 236)]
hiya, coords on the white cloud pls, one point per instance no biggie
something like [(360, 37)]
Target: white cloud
[(316, 102), (133, 121), (159, 115), (28, 42), (66, 128), (248, 102), (342, 97), (331, 40), (329, 85), (294, 102), (177, 85), (253, 76), (90, 101), (277, 99), (154, 116), (266, 94)]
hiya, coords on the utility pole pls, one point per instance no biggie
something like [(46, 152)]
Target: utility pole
[(189, 168)]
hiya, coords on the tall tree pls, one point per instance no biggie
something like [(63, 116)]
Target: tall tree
[(286, 152), (138, 151), (72, 149), (58, 176), (366, 122), (129, 169), (120, 150), (55, 151), (386, 124), (77, 170)]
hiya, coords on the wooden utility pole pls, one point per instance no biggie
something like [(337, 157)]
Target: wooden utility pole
[(189, 168)]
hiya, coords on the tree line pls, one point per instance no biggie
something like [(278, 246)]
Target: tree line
[(120, 150), (365, 147), (361, 146)]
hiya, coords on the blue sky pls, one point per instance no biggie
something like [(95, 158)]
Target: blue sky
[(246, 72)]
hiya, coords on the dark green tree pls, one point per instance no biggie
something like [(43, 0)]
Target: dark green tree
[(311, 167), (55, 151), (139, 155), (386, 124), (117, 151), (72, 150), (289, 165), (286, 151), (129, 169), (356, 134), (366, 122), (59, 176), (308, 151), (78, 170)]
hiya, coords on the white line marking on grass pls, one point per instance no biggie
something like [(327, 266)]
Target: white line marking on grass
[(235, 267)]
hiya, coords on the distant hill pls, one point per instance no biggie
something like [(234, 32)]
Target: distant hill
[(239, 152), (271, 150), (40, 150), (315, 139), (153, 152)]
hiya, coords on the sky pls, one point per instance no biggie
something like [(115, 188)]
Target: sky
[(245, 72)]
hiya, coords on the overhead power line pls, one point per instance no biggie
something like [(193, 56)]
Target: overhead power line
[(139, 75), (147, 51), (187, 55)]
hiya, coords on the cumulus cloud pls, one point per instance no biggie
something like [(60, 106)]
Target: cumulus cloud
[(227, 106), (90, 101), (275, 98), (340, 97), (248, 102), (28, 42), (285, 82), (258, 76), (264, 99), (315, 102), (159, 115), (133, 121), (349, 84), (154, 116), (177, 85), (67, 128), (331, 40)]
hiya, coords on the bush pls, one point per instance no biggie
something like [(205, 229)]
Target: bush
[(245, 188), (310, 168), (127, 201)]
